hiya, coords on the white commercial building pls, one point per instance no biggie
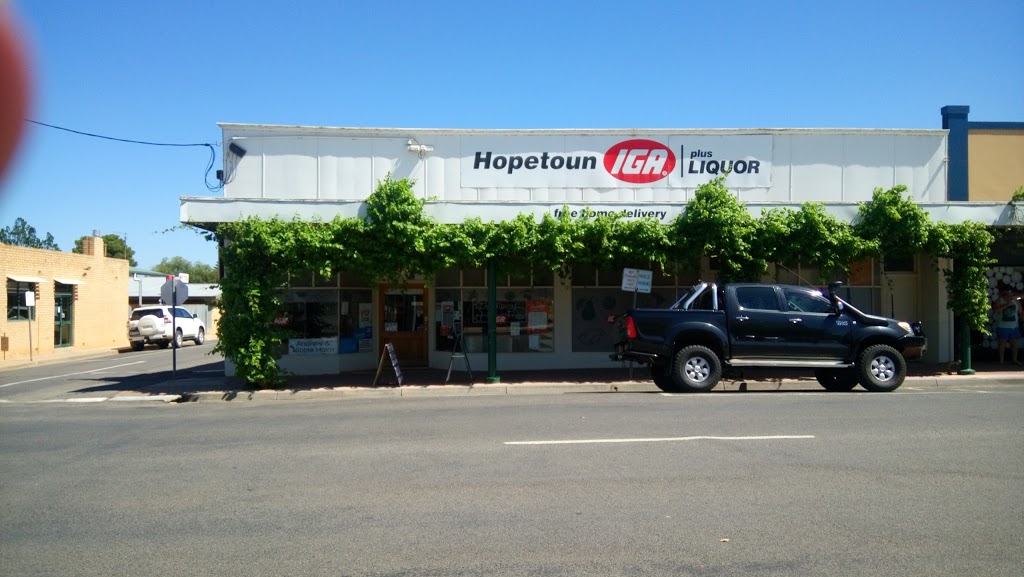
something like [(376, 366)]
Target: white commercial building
[(340, 324)]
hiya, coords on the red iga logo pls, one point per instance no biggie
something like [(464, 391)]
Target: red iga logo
[(639, 161)]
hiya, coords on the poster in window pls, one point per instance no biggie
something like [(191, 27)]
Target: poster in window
[(537, 316)]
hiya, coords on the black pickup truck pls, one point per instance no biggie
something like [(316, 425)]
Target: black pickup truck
[(718, 327)]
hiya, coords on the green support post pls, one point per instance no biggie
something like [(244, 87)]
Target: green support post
[(492, 323), (965, 349)]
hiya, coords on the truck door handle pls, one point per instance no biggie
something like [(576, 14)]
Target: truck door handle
[(743, 318), (796, 320)]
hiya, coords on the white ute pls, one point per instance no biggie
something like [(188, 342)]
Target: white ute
[(155, 325)]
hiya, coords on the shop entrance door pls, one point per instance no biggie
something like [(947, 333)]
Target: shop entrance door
[(403, 314), (62, 317)]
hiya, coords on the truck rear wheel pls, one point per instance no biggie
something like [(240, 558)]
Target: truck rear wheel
[(881, 368), (838, 380), (696, 369)]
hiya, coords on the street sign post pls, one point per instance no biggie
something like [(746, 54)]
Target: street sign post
[(30, 301), (174, 292)]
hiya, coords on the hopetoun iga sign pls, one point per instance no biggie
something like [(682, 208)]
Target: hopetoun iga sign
[(616, 162)]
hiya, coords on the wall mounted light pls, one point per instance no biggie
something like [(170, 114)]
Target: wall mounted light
[(237, 150), (421, 149)]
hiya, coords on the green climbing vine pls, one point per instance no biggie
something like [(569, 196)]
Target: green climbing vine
[(716, 225), (397, 241)]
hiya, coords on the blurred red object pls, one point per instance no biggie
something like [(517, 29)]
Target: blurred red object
[(14, 80)]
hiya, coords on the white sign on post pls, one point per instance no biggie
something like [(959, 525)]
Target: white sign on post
[(637, 280), (629, 279), (644, 280)]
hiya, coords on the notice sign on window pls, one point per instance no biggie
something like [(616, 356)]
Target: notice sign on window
[(325, 346)]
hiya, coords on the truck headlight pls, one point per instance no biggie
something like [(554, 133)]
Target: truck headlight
[(906, 326)]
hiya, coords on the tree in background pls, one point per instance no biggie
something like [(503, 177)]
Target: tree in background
[(24, 234), (197, 271), (114, 247)]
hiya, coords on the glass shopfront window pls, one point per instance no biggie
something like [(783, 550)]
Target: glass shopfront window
[(310, 314), (595, 307), (319, 321), (525, 315), (594, 311)]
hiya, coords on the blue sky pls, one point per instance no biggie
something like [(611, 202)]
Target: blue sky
[(169, 71)]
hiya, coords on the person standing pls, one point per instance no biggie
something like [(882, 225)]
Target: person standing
[(1008, 312)]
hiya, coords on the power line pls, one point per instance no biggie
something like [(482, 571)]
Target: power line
[(209, 166)]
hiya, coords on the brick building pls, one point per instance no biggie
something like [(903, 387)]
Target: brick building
[(87, 294)]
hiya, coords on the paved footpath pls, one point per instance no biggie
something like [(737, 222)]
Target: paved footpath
[(432, 383)]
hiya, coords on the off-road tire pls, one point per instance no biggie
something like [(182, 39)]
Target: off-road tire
[(696, 369), (178, 338), (138, 345), (881, 369), (200, 337), (837, 380), (163, 344)]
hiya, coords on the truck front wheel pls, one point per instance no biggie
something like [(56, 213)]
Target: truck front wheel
[(696, 369), (837, 380), (881, 368), (662, 377)]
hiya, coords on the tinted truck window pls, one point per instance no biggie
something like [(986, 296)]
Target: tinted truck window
[(757, 298), (807, 303)]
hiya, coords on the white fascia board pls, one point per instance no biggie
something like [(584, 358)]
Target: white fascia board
[(214, 210)]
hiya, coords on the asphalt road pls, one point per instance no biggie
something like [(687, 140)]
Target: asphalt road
[(922, 483), (100, 377)]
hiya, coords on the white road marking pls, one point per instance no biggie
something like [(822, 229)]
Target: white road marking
[(662, 439), (82, 400), (69, 374)]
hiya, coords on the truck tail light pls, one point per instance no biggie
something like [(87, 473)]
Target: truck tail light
[(167, 318), (630, 328)]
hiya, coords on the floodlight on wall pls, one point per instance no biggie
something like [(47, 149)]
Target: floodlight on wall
[(236, 150), (421, 149)]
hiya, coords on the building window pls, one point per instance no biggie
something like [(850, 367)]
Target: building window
[(342, 314), (525, 313), (598, 298), (17, 305), (900, 263)]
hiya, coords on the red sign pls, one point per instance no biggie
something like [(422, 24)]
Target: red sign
[(639, 161)]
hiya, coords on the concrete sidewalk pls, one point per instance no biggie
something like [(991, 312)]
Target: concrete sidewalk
[(431, 383)]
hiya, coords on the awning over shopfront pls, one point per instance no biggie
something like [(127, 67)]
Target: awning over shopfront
[(68, 281)]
